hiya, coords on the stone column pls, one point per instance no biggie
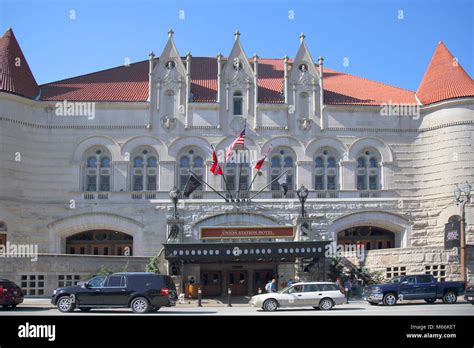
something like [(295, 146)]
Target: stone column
[(167, 175), (120, 176), (348, 172), (304, 173)]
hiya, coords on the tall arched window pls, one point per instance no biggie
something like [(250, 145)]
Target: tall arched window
[(97, 170), (368, 170), (192, 159), (232, 169), (326, 170), (169, 103), (145, 170), (282, 159), (238, 103), (304, 105)]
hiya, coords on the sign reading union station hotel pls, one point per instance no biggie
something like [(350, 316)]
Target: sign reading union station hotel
[(247, 232), (232, 169)]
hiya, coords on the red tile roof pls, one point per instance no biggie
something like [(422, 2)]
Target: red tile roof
[(444, 79), (131, 84), (15, 74)]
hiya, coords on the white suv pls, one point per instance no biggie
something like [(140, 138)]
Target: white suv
[(320, 295)]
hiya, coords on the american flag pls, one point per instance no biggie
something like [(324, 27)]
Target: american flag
[(239, 141)]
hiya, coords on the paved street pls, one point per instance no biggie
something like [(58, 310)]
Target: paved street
[(33, 307)]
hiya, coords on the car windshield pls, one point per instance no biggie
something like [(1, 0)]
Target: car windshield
[(282, 291)]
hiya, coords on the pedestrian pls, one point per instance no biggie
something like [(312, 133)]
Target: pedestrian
[(268, 287), (348, 289), (274, 285), (290, 282)]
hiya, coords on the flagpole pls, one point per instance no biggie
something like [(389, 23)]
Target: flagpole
[(223, 177), (271, 182), (251, 183), (205, 183), (227, 187), (238, 176)]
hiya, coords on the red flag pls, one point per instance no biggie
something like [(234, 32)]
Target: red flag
[(260, 162), (240, 140), (215, 168)]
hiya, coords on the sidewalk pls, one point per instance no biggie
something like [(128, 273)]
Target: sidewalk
[(237, 301)]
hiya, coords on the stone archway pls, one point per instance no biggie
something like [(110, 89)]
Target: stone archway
[(60, 229), (394, 223)]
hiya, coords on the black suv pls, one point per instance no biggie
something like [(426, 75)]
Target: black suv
[(142, 292)]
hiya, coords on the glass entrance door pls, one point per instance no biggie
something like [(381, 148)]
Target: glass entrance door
[(211, 283), (237, 281), (260, 279)]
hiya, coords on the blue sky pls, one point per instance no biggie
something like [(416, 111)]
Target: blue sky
[(378, 43)]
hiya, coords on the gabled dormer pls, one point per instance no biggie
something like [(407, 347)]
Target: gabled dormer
[(170, 85), (304, 87), (237, 81)]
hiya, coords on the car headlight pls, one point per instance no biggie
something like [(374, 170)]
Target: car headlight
[(376, 289), (55, 291)]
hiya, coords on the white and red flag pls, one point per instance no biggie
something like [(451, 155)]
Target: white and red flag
[(258, 165), (239, 141), (215, 168)]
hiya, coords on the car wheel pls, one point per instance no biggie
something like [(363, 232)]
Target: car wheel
[(373, 303), (430, 300), (450, 297), (65, 304), (390, 299), (270, 305), (326, 304), (85, 309), (140, 305)]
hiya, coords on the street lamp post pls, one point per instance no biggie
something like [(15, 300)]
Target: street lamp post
[(302, 196), (462, 195), (174, 195)]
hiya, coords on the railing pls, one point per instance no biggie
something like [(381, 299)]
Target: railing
[(327, 194), (143, 196), (281, 194), (95, 195)]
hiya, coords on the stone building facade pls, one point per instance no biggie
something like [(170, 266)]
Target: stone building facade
[(87, 164)]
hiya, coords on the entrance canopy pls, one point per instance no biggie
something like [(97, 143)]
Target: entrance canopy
[(262, 251)]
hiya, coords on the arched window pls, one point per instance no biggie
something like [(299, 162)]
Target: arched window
[(282, 159), (191, 159), (144, 170), (368, 170), (100, 242), (232, 169), (97, 170), (238, 103), (304, 105), (454, 218), (169, 103), (326, 170), (368, 237)]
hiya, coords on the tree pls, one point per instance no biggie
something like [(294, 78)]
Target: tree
[(104, 270), (153, 265)]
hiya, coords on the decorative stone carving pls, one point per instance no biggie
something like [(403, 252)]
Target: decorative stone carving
[(305, 124), (168, 122), (237, 123)]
